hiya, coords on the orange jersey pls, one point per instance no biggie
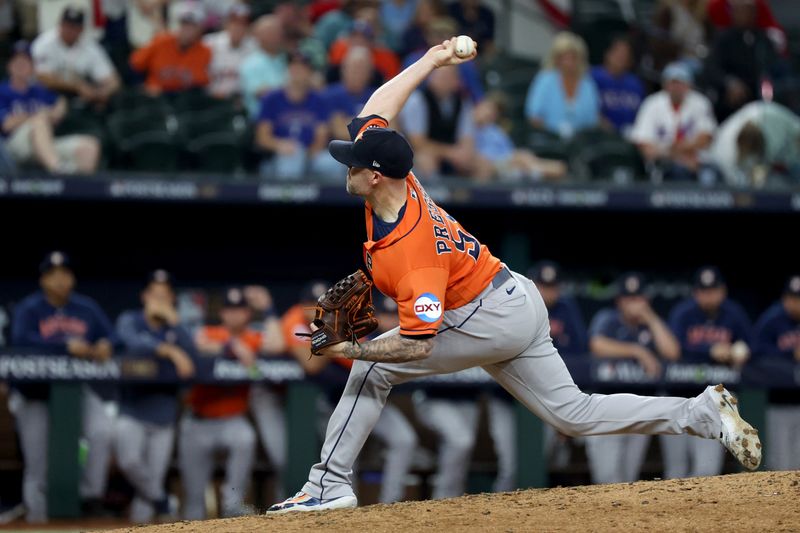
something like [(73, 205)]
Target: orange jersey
[(428, 263), (169, 68), (221, 401), (294, 321)]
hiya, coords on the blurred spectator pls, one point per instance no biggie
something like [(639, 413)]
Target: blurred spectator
[(620, 90), (567, 328), (777, 335), (265, 69), (63, 321), (145, 20), (392, 428), (497, 149), (711, 329), (440, 128), (362, 34), (475, 20), (681, 32), (709, 325), (674, 127), (29, 114), (217, 416), (67, 61), (441, 29), (217, 11), (267, 401), (562, 98), (145, 431), (229, 49), (346, 99), (742, 57), (318, 8), (337, 22), (293, 124), (396, 18), (721, 15), (568, 332), (176, 61), (758, 145), (298, 32), (415, 37), (8, 166), (635, 332)]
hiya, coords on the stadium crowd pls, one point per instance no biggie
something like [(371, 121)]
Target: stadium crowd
[(139, 427), (690, 93)]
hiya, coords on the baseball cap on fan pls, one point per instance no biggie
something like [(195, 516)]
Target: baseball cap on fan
[(630, 284), (383, 150), (545, 273), (708, 277), (234, 297), (792, 286), (54, 259)]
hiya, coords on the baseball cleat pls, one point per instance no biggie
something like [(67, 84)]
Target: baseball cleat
[(739, 437), (302, 502)]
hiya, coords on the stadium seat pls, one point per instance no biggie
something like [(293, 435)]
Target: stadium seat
[(214, 139), (144, 141), (547, 144), (200, 101), (134, 100), (613, 160)]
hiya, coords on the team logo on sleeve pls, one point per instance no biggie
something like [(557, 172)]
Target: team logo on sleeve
[(428, 307)]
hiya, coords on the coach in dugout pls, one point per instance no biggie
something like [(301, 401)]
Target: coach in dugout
[(631, 331), (777, 334), (145, 431), (712, 329), (217, 416), (61, 320)]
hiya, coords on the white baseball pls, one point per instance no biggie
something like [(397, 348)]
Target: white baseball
[(464, 46)]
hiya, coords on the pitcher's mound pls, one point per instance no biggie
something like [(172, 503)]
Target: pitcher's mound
[(761, 501)]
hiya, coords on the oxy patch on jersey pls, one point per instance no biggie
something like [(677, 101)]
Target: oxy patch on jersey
[(428, 307)]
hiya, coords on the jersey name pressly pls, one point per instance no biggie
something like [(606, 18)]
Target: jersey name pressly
[(428, 264)]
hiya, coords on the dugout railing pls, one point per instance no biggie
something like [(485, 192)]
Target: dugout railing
[(66, 375)]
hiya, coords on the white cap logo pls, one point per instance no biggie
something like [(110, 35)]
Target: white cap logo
[(794, 284), (632, 284), (707, 277)]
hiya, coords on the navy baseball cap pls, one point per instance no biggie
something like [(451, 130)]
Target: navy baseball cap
[(234, 297), (630, 284), (53, 260), (383, 150), (159, 276), (73, 15), (792, 286), (708, 277), (545, 273)]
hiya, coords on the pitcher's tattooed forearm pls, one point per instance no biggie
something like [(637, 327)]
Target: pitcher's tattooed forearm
[(394, 349)]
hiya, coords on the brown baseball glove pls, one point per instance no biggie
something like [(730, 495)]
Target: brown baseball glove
[(344, 313)]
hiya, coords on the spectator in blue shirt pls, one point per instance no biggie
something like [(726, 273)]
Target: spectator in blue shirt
[(346, 98), (293, 125), (265, 69), (60, 320), (567, 328), (440, 29), (145, 430), (634, 331), (28, 115), (563, 98), (496, 148), (777, 334), (710, 326), (621, 92)]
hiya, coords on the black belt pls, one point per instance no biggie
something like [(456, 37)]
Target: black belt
[(501, 277)]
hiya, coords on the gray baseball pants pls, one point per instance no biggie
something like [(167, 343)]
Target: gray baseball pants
[(504, 330)]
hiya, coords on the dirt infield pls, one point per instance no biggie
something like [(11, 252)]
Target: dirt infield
[(762, 501)]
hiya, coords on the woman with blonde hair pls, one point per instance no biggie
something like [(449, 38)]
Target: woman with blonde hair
[(563, 98)]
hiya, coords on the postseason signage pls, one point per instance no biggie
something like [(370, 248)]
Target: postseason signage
[(32, 367), (454, 192)]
